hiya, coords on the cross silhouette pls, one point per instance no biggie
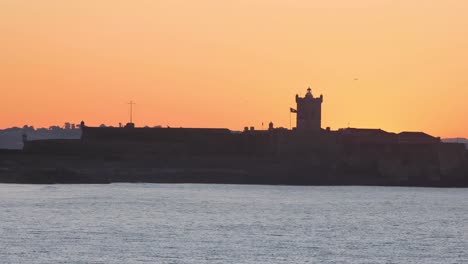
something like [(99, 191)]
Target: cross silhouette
[(131, 111)]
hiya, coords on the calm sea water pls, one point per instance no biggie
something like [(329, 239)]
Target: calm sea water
[(152, 223)]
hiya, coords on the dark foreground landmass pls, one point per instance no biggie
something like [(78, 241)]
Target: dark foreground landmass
[(31, 168), (276, 156)]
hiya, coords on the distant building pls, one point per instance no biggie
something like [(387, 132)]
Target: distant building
[(309, 112)]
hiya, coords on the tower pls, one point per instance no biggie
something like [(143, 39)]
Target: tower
[(309, 111)]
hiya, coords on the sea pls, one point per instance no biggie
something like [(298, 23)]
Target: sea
[(204, 223)]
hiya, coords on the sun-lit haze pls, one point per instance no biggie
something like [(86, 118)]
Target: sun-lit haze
[(392, 64)]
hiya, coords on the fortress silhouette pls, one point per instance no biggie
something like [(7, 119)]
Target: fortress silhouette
[(305, 155)]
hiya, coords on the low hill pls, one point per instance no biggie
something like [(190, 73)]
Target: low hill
[(12, 138), (456, 140)]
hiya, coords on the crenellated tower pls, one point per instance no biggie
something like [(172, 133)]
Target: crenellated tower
[(309, 111)]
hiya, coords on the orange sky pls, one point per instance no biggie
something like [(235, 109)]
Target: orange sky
[(211, 63)]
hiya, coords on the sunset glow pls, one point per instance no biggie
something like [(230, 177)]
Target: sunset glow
[(394, 65)]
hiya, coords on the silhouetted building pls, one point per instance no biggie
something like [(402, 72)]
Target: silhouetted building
[(309, 112), (306, 155)]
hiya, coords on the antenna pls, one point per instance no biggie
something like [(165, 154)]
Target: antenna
[(131, 111)]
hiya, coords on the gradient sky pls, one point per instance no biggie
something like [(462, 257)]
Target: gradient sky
[(211, 63)]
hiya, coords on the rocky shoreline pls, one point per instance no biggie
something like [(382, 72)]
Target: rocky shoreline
[(23, 168)]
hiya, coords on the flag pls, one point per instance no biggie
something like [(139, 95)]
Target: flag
[(292, 110)]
